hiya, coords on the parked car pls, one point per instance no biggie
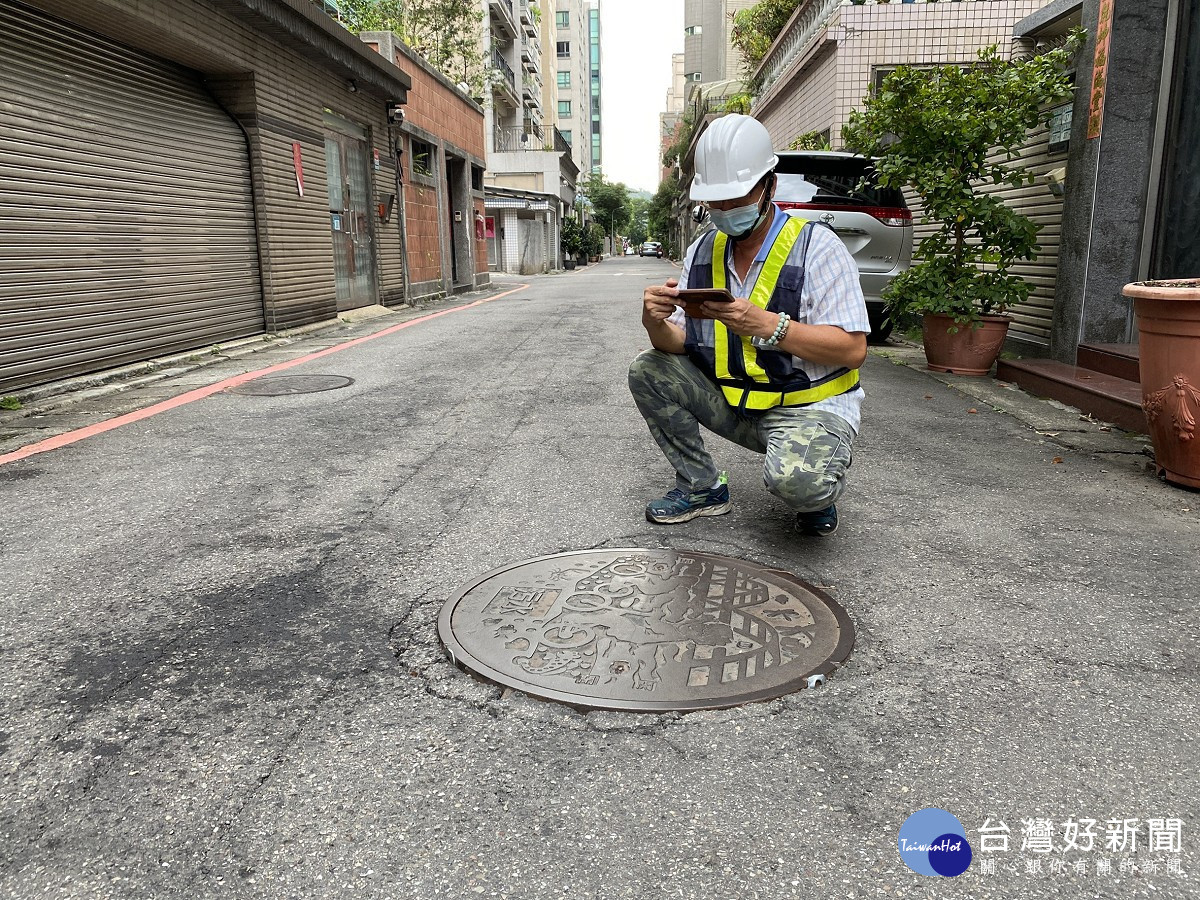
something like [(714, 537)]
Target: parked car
[(874, 223), (651, 248)]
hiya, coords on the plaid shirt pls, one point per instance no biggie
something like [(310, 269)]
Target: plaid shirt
[(832, 296)]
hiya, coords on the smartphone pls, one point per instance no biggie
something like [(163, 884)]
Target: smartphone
[(705, 295)]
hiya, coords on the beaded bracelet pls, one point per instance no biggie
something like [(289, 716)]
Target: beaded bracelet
[(780, 330)]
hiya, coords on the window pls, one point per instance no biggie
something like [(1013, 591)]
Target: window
[(564, 49), (564, 109), (1060, 127), (477, 178), (693, 29), (422, 158), (595, 127), (692, 76), (566, 135), (562, 18), (564, 79)]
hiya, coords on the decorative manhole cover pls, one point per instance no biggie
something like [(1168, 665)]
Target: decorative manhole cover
[(281, 385), (645, 630)]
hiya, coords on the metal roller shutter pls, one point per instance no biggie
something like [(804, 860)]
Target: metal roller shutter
[(126, 215)]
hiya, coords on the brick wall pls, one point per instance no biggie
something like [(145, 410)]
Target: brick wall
[(438, 113)]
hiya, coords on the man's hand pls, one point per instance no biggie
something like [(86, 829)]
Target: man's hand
[(659, 301), (658, 304), (742, 317)]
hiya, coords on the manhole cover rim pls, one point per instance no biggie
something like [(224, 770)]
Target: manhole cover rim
[(250, 388), (467, 661)]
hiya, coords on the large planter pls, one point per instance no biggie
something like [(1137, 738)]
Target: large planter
[(967, 350), (1168, 318)]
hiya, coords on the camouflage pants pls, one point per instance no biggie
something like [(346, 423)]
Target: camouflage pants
[(807, 450)]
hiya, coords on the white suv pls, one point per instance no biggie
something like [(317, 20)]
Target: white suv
[(874, 223)]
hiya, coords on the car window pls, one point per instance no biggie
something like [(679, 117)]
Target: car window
[(811, 179)]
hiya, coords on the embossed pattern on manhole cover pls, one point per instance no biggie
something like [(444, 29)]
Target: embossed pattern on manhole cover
[(282, 385), (645, 630)]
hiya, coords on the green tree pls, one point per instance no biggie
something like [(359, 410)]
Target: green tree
[(595, 239), (755, 29), (571, 237), (638, 229), (658, 214), (810, 140), (609, 201), (445, 32), (936, 131)]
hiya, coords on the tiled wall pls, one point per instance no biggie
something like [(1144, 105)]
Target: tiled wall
[(838, 69), (886, 35), (809, 103)]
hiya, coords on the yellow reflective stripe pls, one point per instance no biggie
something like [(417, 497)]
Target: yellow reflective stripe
[(764, 287), (761, 400), (720, 332), (718, 260), (764, 400)]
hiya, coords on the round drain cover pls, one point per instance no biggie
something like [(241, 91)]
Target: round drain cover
[(281, 385), (645, 630)]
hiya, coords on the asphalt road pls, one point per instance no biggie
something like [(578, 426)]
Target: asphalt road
[(220, 673)]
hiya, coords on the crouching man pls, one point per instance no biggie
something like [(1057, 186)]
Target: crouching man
[(776, 369)]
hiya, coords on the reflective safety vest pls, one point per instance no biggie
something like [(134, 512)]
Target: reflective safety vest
[(758, 378)]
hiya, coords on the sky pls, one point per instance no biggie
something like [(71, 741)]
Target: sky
[(637, 38)]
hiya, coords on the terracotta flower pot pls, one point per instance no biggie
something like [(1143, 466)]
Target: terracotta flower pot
[(1168, 317), (967, 351)]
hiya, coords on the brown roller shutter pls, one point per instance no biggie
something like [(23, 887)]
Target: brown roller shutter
[(126, 217)]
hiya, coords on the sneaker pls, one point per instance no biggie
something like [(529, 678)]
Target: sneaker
[(680, 506), (821, 523)]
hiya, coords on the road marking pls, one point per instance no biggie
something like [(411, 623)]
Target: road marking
[(79, 434)]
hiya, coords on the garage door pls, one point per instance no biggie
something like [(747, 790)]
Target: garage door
[(126, 219)]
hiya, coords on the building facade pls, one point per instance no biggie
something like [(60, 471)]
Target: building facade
[(829, 57), (593, 58), (670, 118), (709, 55), (439, 146), (528, 153), (188, 172)]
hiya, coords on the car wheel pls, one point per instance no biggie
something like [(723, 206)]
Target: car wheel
[(881, 328)]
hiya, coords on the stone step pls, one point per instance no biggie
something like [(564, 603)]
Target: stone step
[(1106, 397), (1119, 360)]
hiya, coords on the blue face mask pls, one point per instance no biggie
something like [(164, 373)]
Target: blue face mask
[(737, 223)]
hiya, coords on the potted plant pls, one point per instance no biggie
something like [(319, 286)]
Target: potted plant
[(1168, 317), (571, 241), (595, 241), (936, 131)]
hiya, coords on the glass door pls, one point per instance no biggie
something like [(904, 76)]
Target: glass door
[(350, 220)]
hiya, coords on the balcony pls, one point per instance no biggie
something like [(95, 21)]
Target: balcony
[(525, 12), (530, 137), (504, 20), (531, 51), (531, 90), (506, 81), (806, 23)]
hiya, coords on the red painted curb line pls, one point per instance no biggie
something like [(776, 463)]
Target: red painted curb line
[(79, 434)]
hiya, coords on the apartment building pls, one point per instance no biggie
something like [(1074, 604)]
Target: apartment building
[(593, 12), (709, 56), (573, 77), (669, 120), (532, 170)]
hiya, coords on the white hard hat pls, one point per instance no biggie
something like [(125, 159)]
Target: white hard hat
[(733, 154)]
